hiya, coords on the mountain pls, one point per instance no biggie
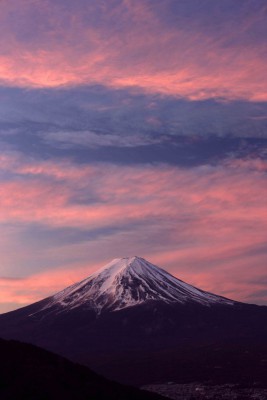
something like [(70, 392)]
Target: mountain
[(28, 372), (135, 323), (127, 282)]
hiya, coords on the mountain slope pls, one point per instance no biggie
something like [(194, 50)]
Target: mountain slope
[(28, 372), (136, 323)]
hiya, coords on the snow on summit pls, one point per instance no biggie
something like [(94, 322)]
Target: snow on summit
[(126, 282)]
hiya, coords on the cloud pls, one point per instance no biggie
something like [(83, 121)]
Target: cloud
[(207, 224), (104, 107), (66, 140), (197, 52), (27, 290), (96, 124)]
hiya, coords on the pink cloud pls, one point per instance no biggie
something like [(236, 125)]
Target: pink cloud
[(142, 53), (207, 224), (38, 286)]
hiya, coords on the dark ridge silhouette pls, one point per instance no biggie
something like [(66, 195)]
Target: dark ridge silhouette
[(28, 372)]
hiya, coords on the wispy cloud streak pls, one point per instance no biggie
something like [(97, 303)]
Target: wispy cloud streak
[(202, 223), (138, 44)]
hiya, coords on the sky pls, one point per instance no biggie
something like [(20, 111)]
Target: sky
[(133, 127)]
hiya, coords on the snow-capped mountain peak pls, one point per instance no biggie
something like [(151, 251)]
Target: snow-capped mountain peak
[(129, 281)]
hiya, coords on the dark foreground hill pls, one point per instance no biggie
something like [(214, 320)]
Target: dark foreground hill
[(28, 372), (135, 323)]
